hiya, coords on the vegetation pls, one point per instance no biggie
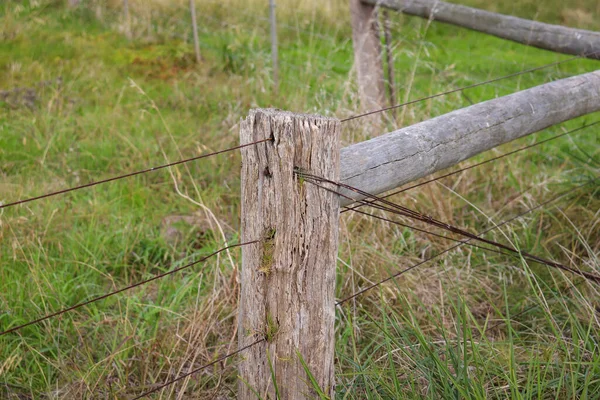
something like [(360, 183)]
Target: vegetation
[(79, 102)]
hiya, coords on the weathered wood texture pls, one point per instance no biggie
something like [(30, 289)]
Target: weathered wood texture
[(195, 30), (402, 156), (367, 55), (288, 280), (545, 36)]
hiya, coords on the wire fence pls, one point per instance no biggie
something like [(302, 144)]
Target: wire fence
[(375, 202), (372, 201)]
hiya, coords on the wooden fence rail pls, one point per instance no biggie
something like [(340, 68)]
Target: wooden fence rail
[(556, 38), (407, 154)]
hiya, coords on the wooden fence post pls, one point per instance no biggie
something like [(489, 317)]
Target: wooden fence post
[(288, 280), (367, 55)]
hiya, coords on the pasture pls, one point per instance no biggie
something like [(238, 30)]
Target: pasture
[(81, 101)]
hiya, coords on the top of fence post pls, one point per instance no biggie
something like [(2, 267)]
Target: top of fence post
[(288, 280)]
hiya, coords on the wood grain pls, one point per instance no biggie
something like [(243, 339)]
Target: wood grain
[(288, 281), (367, 55), (407, 154), (556, 38)]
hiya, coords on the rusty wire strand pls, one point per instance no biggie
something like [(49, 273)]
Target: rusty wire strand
[(164, 385), (391, 210), (543, 204), (346, 209), (474, 85), (429, 232), (406, 212), (95, 299), (386, 209), (311, 178), (87, 185)]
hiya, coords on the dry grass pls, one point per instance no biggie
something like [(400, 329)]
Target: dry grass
[(127, 104)]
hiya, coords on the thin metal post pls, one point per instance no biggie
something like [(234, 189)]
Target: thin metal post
[(390, 60), (274, 51), (127, 25), (195, 30)]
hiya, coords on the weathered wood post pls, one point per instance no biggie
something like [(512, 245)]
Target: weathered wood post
[(288, 280), (367, 54)]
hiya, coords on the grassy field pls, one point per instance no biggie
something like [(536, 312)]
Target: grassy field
[(80, 101)]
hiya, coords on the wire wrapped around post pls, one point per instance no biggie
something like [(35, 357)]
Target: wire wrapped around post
[(288, 280)]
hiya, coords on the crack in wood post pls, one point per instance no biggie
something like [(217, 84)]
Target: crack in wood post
[(288, 280)]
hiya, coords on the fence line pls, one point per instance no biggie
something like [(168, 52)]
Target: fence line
[(87, 185), (516, 253), (376, 206), (331, 39), (541, 67), (394, 106), (538, 34), (164, 385), (473, 166), (393, 159), (496, 226), (278, 186), (409, 213), (283, 25), (95, 299)]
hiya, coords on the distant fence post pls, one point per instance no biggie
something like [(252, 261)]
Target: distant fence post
[(288, 280), (367, 54), (274, 50), (195, 30), (126, 22)]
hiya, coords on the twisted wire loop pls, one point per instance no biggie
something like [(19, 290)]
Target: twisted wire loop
[(474, 85), (95, 299), (406, 212), (128, 175), (164, 385), (413, 214), (576, 130), (429, 232)]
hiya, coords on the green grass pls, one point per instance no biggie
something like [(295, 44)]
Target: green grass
[(123, 105)]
